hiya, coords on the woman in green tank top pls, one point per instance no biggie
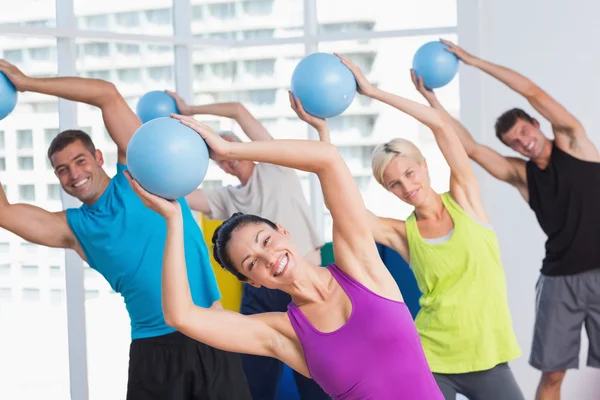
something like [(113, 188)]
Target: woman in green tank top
[(464, 321)]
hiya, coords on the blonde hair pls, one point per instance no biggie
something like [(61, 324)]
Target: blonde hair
[(384, 154)]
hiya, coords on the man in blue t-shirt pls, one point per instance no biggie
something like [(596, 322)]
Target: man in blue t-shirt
[(124, 240)]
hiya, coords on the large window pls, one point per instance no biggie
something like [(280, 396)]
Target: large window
[(152, 18), (356, 16), (247, 19), (238, 51), (42, 16), (33, 339)]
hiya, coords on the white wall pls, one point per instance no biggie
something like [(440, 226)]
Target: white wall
[(550, 42)]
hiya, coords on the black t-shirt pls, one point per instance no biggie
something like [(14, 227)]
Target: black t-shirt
[(565, 197)]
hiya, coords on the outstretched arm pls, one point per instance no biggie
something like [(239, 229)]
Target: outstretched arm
[(254, 130), (198, 202), (567, 128), (37, 225), (463, 182), (319, 124), (507, 169), (121, 122), (354, 248), (230, 331), (236, 111)]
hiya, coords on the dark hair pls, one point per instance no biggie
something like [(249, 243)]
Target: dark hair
[(67, 137), (508, 119), (222, 236)]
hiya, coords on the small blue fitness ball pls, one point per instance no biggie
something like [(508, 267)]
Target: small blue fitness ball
[(167, 158), (324, 85), (155, 104), (8, 96), (435, 64)]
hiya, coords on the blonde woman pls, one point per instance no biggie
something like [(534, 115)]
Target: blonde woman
[(464, 322)]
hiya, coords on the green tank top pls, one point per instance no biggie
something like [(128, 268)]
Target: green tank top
[(464, 321)]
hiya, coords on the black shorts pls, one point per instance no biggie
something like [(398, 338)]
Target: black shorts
[(175, 367)]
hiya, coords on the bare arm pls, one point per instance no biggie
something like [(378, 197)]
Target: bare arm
[(566, 127), (236, 111), (37, 225), (507, 169), (324, 134), (198, 202), (440, 125), (464, 186), (562, 121), (121, 122), (319, 124), (354, 248), (223, 329), (390, 233), (511, 170)]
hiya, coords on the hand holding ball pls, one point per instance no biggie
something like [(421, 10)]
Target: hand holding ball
[(435, 64)]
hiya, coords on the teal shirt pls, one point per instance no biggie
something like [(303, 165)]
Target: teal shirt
[(124, 241)]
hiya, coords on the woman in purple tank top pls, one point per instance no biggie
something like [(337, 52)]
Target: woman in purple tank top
[(346, 327)]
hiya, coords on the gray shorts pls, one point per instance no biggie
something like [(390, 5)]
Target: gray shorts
[(497, 383), (563, 305)]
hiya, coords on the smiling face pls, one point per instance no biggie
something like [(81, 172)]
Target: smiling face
[(266, 256), (408, 179), (525, 138), (79, 171)]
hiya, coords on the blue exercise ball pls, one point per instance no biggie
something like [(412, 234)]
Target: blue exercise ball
[(435, 64), (167, 158), (155, 104), (324, 85), (8, 96)]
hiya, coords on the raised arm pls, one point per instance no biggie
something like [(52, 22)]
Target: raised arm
[(463, 182), (230, 331), (121, 122), (566, 127), (37, 225), (355, 249), (254, 130), (198, 202), (507, 169), (236, 111), (319, 124)]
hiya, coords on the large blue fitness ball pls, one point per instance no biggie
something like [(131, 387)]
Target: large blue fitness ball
[(324, 85), (435, 64), (155, 104), (8, 96), (167, 158)]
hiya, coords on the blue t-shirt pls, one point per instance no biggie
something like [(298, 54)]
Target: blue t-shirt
[(124, 241)]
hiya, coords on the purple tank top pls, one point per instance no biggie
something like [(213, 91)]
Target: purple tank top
[(377, 354)]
